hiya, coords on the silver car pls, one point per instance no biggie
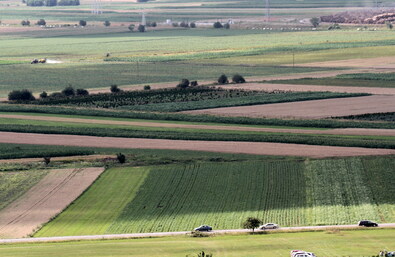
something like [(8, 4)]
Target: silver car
[(269, 226)]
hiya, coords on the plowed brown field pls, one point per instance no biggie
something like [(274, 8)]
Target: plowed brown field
[(43, 201), (257, 148), (311, 109)]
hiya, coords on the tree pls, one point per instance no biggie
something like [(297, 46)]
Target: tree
[(389, 25), (25, 23), (252, 223), (47, 160), (218, 25), (82, 23), (184, 24), (115, 89), (68, 91), (238, 79), (43, 95), (41, 22), (147, 87), (131, 27), (107, 23), (121, 158), (82, 91), (183, 84), (226, 26), (223, 79), (21, 95), (194, 83), (315, 22), (192, 25), (141, 28)]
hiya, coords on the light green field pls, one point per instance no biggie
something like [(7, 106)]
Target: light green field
[(288, 192), (15, 184), (367, 242)]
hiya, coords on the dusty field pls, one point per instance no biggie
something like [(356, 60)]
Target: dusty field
[(43, 201), (307, 88), (208, 146), (311, 109), (387, 62), (381, 132)]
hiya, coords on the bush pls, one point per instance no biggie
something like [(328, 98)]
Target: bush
[(223, 79), (194, 83), (238, 79), (147, 87), (389, 25), (115, 89), (81, 91), (334, 26), (141, 28), (56, 95), (82, 23), (25, 23), (315, 22), (47, 160), (151, 24), (21, 95), (227, 26), (192, 25), (44, 94), (121, 158), (41, 22), (107, 23), (131, 27), (174, 24), (68, 91), (183, 84), (184, 24), (218, 25)]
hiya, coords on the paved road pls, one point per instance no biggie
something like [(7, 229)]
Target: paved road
[(178, 233)]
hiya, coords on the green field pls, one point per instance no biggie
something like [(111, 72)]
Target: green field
[(15, 183), (342, 243), (389, 116), (347, 80), (288, 192)]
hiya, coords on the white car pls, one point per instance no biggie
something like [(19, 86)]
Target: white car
[(299, 253), (269, 226)]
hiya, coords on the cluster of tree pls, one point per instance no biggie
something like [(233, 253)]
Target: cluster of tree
[(184, 24), (27, 95), (51, 2), (219, 25), (237, 78), (184, 83), (140, 28), (151, 24)]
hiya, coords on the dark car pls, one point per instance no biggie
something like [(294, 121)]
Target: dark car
[(367, 223), (203, 228)]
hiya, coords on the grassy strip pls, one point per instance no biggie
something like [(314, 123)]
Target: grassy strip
[(346, 82), (194, 118), (206, 135), (327, 243)]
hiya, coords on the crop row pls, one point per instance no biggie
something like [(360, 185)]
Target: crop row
[(207, 135), (290, 193), (322, 123)]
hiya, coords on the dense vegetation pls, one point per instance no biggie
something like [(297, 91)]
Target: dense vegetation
[(388, 116), (14, 184), (290, 193), (181, 99)]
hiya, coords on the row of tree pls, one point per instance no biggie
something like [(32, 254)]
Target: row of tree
[(51, 2)]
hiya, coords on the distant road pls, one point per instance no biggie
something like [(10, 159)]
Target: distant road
[(178, 233)]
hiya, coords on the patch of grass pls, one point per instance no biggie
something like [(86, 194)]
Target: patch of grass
[(15, 184)]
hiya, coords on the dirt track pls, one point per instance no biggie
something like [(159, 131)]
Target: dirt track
[(314, 109), (44, 200), (257, 148), (350, 131)]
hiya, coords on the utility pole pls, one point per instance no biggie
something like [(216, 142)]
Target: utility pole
[(267, 11)]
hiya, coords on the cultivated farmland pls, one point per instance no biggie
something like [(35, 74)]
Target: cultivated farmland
[(181, 197)]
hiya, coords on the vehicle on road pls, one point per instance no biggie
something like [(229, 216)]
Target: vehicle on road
[(386, 254), (269, 226), (203, 228), (367, 223), (299, 253)]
